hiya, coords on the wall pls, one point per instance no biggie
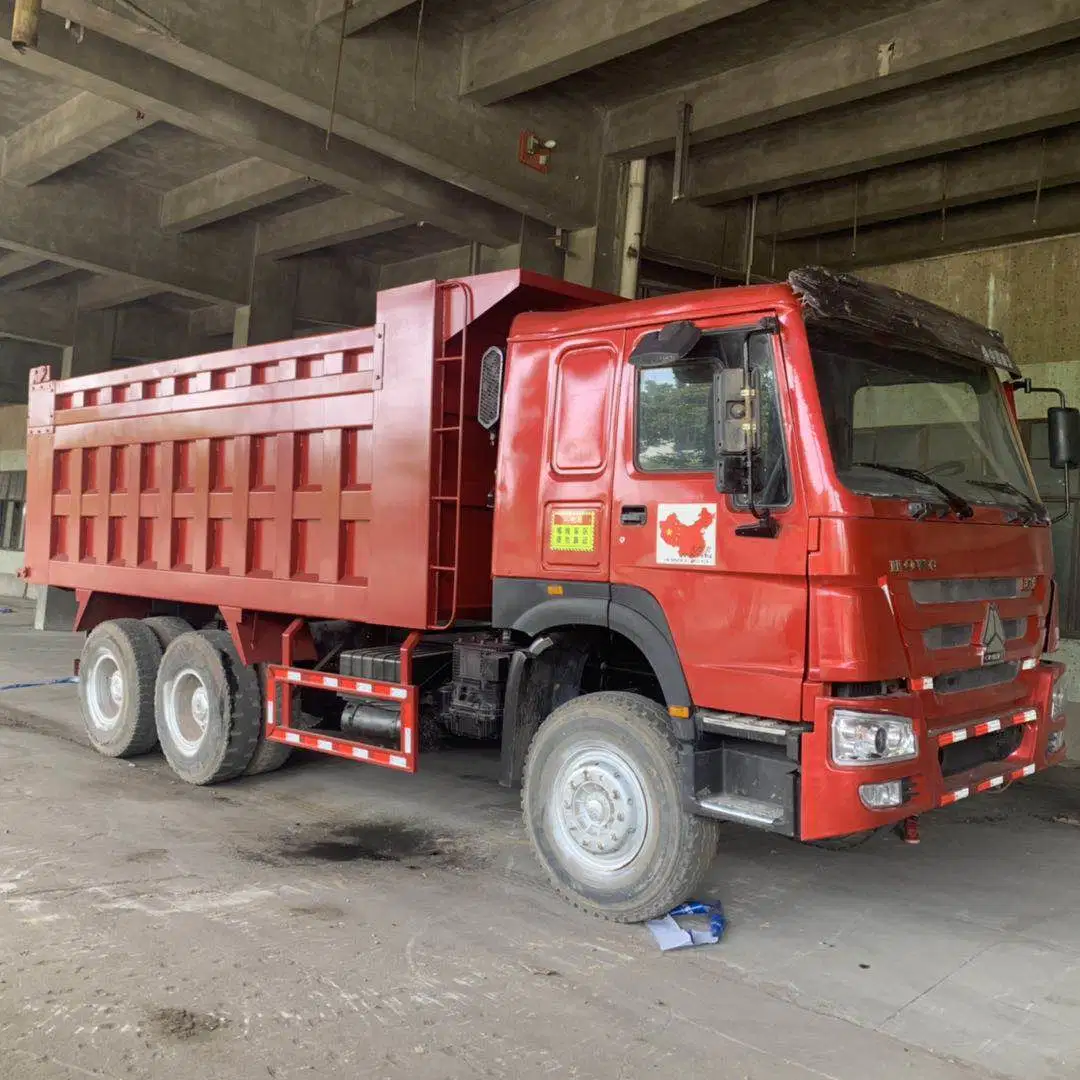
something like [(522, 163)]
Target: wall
[(12, 458), (1027, 291)]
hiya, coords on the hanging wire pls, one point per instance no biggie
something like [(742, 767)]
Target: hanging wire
[(346, 4), (751, 230), (944, 195), (775, 233), (416, 53), (855, 219), (1039, 180)]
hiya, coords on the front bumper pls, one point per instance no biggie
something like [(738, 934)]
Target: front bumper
[(829, 799)]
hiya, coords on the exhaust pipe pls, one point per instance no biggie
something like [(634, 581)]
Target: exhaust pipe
[(24, 24)]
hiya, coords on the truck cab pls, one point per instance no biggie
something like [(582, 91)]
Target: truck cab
[(800, 517)]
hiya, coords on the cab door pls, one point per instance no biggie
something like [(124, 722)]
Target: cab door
[(735, 605)]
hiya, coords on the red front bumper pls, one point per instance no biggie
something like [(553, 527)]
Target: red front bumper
[(830, 802)]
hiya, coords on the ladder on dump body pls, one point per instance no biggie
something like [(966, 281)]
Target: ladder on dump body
[(447, 448)]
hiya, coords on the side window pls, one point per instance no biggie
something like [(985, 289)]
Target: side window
[(675, 418), (771, 484), (675, 414)]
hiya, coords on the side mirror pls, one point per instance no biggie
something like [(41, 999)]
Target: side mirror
[(1063, 433), (736, 412)]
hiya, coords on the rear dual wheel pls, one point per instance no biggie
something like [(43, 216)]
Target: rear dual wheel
[(117, 670), (208, 708)]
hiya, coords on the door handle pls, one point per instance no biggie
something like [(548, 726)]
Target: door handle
[(633, 515)]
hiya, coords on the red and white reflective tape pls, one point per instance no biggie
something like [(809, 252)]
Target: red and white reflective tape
[(988, 727), (956, 795)]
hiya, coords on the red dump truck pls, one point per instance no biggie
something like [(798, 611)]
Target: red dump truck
[(770, 555)]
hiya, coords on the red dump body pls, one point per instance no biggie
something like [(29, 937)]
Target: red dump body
[(314, 477)]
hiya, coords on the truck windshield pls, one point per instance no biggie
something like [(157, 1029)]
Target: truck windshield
[(905, 425)]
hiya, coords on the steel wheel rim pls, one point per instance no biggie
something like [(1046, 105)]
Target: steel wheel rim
[(186, 711), (105, 691), (600, 813)]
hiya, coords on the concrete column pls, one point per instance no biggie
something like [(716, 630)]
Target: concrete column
[(270, 314), (95, 339), (56, 609)]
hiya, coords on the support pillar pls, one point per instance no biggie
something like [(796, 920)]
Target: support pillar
[(270, 313)]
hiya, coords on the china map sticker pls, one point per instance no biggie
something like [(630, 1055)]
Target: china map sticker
[(686, 534), (573, 530)]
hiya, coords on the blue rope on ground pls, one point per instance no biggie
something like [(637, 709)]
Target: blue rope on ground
[(35, 685)]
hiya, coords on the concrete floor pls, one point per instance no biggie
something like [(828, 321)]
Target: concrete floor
[(336, 921)]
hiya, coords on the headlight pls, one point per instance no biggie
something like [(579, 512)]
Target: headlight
[(860, 738), (1059, 697)]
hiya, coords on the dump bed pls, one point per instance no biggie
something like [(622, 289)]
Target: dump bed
[(336, 477)]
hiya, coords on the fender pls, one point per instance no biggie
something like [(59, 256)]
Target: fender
[(528, 606)]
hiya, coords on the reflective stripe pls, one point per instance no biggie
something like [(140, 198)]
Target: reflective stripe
[(291, 736), (398, 762), (360, 752), (325, 744)]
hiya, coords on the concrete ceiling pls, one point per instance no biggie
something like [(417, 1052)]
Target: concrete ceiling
[(158, 157)]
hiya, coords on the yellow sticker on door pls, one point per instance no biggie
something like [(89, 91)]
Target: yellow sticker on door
[(686, 534), (573, 530)]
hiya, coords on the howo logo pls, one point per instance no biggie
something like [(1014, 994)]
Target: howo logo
[(993, 637), (901, 566)]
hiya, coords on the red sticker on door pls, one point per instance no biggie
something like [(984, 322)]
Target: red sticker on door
[(686, 534)]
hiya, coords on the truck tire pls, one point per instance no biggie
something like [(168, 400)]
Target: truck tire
[(603, 808), (167, 628), (116, 687), (208, 708), (270, 756)]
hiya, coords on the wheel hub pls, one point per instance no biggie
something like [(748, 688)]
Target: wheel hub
[(602, 813), (104, 691), (187, 711)]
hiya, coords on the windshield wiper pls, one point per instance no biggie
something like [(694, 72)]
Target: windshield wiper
[(957, 503), (1036, 510)]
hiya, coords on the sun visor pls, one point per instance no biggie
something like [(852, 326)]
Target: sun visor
[(887, 316)]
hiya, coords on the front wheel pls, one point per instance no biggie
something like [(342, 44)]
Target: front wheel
[(603, 809)]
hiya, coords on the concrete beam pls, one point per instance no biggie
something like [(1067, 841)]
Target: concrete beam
[(14, 262), (937, 39), (120, 236), (451, 138), (227, 192), (361, 13), (1009, 221), (125, 74), (115, 290), (46, 316), (39, 274), (71, 132), (979, 175), (214, 320), (335, 221), (995, 102), (547, 40)]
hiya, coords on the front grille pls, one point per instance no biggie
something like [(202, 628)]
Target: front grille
[(957, 682), (957, 635), (965, 590), (948, 637), (962, 756)]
